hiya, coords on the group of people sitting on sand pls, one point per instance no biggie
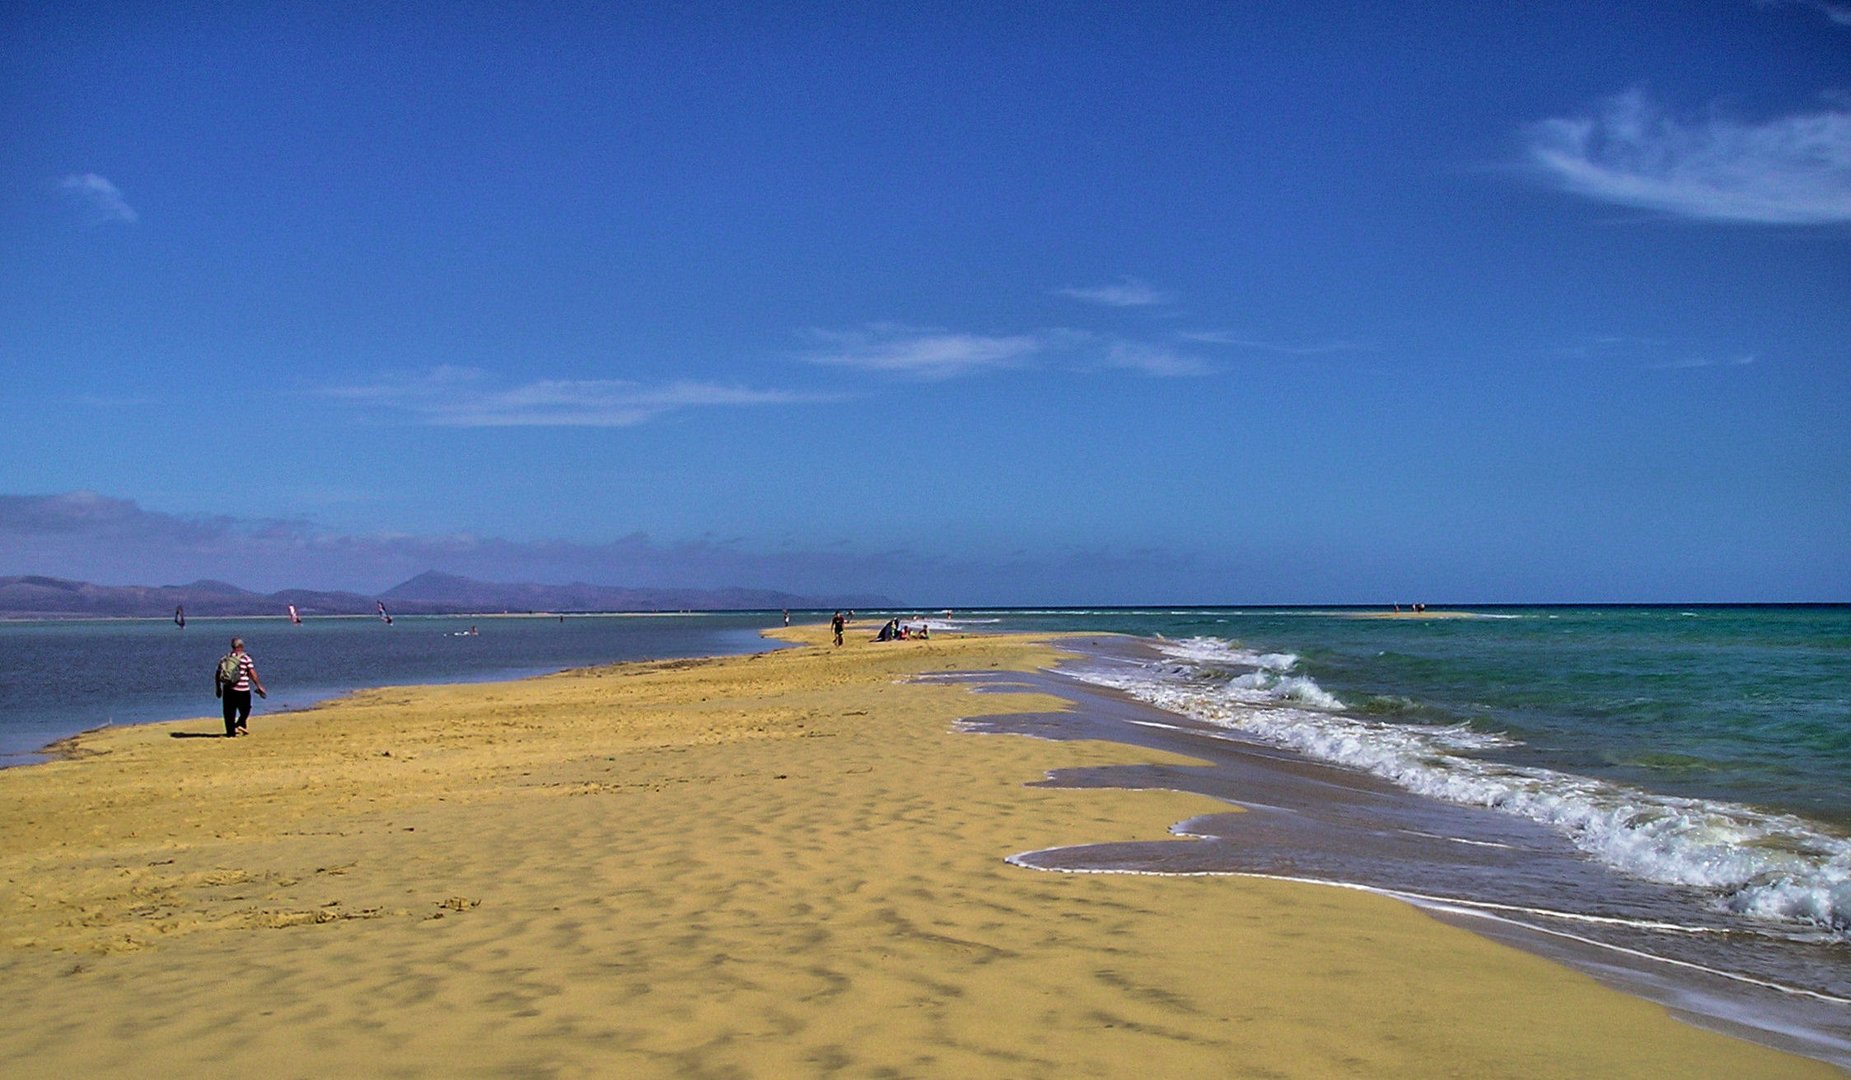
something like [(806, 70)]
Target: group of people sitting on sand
[(895, 630)]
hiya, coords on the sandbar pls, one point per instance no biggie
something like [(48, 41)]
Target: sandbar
[(788, 864), (1417, 615)]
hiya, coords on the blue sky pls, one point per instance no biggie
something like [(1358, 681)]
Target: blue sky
[(1057, 304)]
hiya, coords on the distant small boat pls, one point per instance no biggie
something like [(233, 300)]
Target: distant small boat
[(180, 617), (293, 617)]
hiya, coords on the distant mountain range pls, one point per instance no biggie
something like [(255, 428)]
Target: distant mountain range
[(427, 594)]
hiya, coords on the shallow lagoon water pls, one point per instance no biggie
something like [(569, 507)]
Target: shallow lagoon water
[(61, 677)]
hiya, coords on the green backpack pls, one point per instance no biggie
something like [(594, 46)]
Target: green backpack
[(231, 669)]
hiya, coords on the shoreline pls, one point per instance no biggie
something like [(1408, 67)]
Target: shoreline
[(34, 743), (1287, 817), (778, 863)]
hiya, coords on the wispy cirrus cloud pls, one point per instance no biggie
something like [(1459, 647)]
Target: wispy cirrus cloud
[(1128, 292), (1159, 361), (1651, 354), (922, 354), (101, 200), (1790, 170), (1287, 348), (1691, 362), (465, 397), (940, 354)]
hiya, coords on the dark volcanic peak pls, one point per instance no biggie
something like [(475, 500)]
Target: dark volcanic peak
[(431, 585), (210, 585), (25, 597), (37, 582)]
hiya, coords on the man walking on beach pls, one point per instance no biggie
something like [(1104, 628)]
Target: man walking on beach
[(236, 675), (836, 623)]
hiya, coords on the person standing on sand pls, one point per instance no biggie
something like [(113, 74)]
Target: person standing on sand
[(836, 624), (236, 692)]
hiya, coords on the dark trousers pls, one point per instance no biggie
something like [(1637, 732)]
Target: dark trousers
[(237, 710)]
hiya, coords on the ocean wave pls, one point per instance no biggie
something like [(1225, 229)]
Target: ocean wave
[(1769, 866), (1210, 650)]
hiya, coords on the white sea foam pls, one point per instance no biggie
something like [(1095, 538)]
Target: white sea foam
[(1770, 866), (1210, 650)]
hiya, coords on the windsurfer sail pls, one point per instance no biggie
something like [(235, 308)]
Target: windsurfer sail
[(180, 617), (293, 617), (383, 617)]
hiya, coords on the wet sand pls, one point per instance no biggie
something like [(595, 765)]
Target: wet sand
[(789, 864)]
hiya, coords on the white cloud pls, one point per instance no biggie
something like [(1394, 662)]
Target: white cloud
[(1129, 292), (1790, 170), (1650, 354), (940, 354), (1691, 362), (1155, 360), (923, 354), (100, 197), (458, 397), (1320, 348)]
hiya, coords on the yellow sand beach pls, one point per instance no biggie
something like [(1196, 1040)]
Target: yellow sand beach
[(782, 865)]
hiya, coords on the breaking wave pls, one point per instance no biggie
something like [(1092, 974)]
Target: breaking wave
[(1773, 867)]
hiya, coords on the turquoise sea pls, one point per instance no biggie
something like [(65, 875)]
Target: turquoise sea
[(1750, 704)]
